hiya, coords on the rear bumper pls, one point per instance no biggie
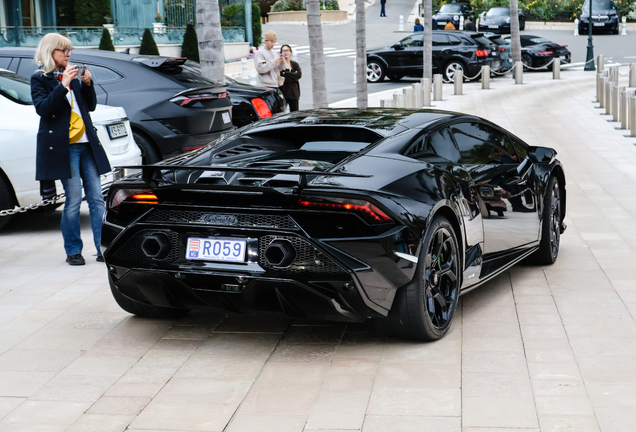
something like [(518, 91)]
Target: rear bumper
[(325, 281)]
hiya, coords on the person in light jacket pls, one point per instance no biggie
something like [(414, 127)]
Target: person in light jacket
[(268, 64), (57, 90), (291, 74)]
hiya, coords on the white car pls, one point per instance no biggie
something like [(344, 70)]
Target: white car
[(18, 130)]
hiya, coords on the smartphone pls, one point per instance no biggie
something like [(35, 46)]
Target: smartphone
[(81, 71)]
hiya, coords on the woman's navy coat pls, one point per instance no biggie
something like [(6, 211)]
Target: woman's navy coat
[(53, 159)]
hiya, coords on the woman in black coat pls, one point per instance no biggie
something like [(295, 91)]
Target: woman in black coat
[(57, 91), (291, 74)]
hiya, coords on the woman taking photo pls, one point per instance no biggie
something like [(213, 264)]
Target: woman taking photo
[(288, 80), (67, 145)]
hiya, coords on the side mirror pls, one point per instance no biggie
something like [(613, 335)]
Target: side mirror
[(579, 9), (541, 154), (398, 46), (435, 11)]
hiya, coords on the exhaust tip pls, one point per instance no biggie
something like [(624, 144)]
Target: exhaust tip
[(156, 246), (280, 253)]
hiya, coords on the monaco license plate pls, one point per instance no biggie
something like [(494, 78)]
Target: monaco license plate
[(493, 26), (441, 23), (208, 249), (117, 130), (599, 24)]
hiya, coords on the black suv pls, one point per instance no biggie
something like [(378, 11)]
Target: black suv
[(172, 108), (452, 50), (604, 16), (451, 12)]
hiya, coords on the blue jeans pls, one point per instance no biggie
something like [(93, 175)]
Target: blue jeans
[(382, 12), (83, 171)]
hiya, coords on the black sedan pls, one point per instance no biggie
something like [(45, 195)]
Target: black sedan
[(538, 52), (451, 12), (497, 20), (604, 16), (171, 107), (335, 214), (452, 50)]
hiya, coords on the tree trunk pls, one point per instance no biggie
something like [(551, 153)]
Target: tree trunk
[(428, 39), (210, 40), (316, 54), (361, 56), (514, 31)]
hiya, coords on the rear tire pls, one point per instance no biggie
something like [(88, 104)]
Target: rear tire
[(550, 225), (144, 310), (424, 308), (149, 154), (375, 72), (451, 69), (526, 59), (6, 199)]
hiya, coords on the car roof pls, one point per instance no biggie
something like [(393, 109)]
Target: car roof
[(384, 121), (112, 55)]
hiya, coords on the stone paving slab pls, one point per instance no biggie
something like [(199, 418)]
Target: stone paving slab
[(537, 349)]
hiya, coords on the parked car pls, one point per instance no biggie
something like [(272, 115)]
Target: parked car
[(604, 16), (497, 20), (537, 52), (352, 215), (18, 131), (451, 12), (172, 108), (452, 50), (505, 50)]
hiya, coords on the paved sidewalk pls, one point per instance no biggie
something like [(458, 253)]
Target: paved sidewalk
[(538, 349)]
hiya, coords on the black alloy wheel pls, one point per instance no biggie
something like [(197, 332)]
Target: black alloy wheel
[(424, 309), (551, 224), (451, 69), (375, 72), (526, 59)]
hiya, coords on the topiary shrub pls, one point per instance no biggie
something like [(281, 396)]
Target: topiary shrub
[(190, 47), (106, 42), (257, 29), (297, 5), (148, 45)]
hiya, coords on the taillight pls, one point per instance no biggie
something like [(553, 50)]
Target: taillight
[(501, 49), (545, 52), (482, 53), (139, 196), (364, 208), (261, 108), (189, 100)]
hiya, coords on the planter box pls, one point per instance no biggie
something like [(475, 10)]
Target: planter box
[(301, 16)]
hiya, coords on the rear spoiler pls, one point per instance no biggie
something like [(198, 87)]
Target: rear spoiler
[(148, 172), (156, 62)]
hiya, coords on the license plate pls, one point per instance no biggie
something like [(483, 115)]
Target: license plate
[(599, 24), (208, 249), (441, 23), (117, 130), (226, 117), (493, 26)]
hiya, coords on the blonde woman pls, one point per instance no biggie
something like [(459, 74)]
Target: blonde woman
[(58, 90)]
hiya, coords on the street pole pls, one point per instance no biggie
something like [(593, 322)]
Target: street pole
[(589, 59)]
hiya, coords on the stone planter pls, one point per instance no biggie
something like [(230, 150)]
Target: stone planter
[(301, 16)]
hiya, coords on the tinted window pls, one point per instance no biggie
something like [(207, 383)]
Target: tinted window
[(454, 40), (102, 75), (442, 144), (4, 62), (521, 150), (482, 40), (27, 67), (412, 41), (481, 144), (498, 12), (188, 73), (450, 8), (15, 88), (439, 39), (600, 5)]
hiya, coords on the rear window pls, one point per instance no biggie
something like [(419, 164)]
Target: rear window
[(537, 40), (482, 40), (15, 88), (188, 73)]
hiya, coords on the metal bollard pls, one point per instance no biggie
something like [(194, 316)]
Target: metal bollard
[(576, 27), (459, 81), (623, 108), (624, 26), (245, 74), (417, 90), (401, 25), (426, 92), (383, 103), (632, 74), (632, 115), (601, 92), (395, 101), (599, 81), (556, 69), (437, 87), (461, 22), (253, 78), (615, 105), (518, 73), (615, 74), (405, 96), (600, 62), (485, 77), (608, 95)]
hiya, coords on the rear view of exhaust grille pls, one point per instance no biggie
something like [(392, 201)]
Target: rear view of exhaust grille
[(223, 219), (147, 247), (307, 258)]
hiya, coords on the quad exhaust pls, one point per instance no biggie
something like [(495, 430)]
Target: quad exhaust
[(280, 253)]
